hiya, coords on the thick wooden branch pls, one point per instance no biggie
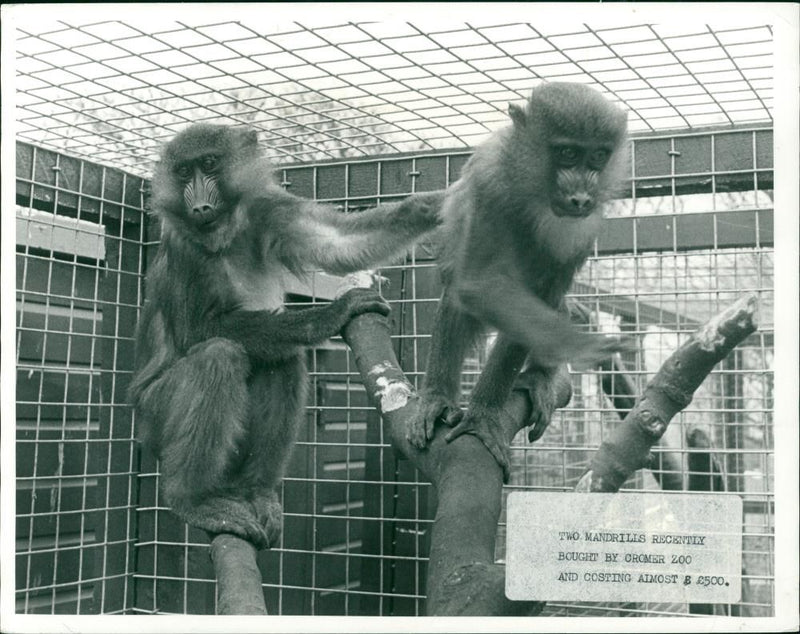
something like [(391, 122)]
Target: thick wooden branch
[(620, 389), (463, 578), (670, 391), (239, 589)]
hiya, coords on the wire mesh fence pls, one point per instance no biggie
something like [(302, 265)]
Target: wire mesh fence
[(79, 238), (355, 113), (115, 91), (693, 232)]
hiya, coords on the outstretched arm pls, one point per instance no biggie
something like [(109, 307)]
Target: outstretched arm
[(317, 236), (508, 305)]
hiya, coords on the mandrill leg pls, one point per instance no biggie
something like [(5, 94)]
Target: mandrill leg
[(454, 331), (547, 389), (488, 398), (204, 402)]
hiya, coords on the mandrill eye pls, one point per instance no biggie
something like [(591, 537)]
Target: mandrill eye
[(209, 163), (568, 155), (183, 171)]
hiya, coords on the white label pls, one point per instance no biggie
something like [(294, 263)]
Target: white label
[(677, 548)]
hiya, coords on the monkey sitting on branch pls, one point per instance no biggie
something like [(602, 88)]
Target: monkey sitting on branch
[(220, 379), (517, 226)]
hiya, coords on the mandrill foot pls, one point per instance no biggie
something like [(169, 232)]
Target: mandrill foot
[(485, 423), (257, 521)]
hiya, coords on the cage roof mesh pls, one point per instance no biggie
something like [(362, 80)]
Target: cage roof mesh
[(114, 91)]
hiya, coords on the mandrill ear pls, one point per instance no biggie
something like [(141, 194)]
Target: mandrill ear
[(517, 115), (247, 137)]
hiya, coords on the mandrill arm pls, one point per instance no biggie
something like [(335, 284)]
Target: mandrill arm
[(506, 304), (315, 235), (270, 336)]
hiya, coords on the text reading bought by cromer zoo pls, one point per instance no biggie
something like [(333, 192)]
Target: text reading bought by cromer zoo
[(624, 547)]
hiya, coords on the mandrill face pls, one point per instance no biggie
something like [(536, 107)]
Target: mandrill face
[(574, 137), (198, 182), (578, 171)]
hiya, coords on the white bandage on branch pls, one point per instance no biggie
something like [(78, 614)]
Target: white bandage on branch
[(359, 279)]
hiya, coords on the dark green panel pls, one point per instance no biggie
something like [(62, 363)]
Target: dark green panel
[(69, 177), (24, 156), (766, 228), (113, 186), (337, 603), (57, 345), (735, 228), (432, 172), (301, 181), (70, 454), (55, 386), (616, 236), (692, 231), (764, 149), (330, 569), (733, 151), (695, 231), (654, 232), (55, 277), (331, 181), (456, 164), (396, 177), (135, 189), (363, 179), (652, 157), (695, 155), (43, 171), (92, 179)]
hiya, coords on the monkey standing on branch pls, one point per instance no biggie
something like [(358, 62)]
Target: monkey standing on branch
[(517, 226), (220, 378)]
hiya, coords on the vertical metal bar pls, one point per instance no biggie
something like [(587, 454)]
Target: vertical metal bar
[(315, 469), (381, 453), (70, 336), (38, 418)]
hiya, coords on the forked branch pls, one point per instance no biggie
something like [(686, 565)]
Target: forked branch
[(670, 391), (463, 578)]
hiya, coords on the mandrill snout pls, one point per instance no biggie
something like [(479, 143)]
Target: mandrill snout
[(577, 204), (203, 215), (582, 203), (202, 211), (575, 195)]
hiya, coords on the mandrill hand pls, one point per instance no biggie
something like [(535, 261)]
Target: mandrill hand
[(357, 301), (589, 350), (422, 209)]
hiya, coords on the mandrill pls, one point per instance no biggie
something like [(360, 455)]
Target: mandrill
[(220, 380), (517, 226)]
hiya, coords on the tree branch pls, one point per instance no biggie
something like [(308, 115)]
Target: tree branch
[(239, 589), (462, 576), (670, 391)]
